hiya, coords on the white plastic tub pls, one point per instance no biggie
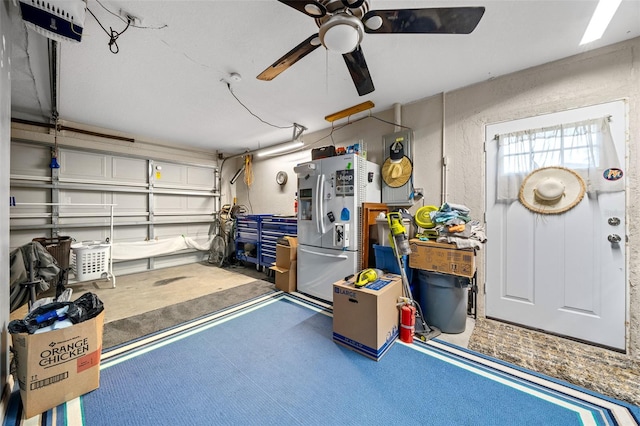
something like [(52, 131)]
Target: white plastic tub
[(91, 260)]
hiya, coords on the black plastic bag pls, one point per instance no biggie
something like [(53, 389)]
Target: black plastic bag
[(89, 306), (84, 308)]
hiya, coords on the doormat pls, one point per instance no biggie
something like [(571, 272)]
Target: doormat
[(599, 369)]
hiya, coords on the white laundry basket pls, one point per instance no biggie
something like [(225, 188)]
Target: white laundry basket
[(91, 260)]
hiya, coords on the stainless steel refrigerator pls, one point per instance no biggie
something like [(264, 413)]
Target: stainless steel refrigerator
[(330, 196)]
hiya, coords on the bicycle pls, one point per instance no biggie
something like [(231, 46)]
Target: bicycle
[(223, 227), (218, 248)]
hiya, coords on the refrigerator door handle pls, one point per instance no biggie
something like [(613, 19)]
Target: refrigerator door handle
[(316, 204), (319, 204), (315, 253)]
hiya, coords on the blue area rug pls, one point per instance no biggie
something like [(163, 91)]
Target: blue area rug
[(272, 361)]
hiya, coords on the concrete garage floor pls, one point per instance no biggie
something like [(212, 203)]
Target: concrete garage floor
[(152, 291), (147, 291)]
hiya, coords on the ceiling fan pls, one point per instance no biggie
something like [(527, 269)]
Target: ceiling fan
[(342, 24)]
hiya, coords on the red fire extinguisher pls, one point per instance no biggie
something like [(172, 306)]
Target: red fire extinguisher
[(407, 323)]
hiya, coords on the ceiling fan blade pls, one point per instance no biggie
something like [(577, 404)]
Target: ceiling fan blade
[(439, 20), (359, 71), (310, 7), (290, 58)]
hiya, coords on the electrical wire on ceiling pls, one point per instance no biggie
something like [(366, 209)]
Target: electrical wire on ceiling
[(132, 24), (334, 128), (113, 34), (342, 126), (251, 112), (388, 122)]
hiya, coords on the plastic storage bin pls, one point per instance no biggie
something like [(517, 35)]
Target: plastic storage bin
[(382, 229), (91, 260), (443, 299), (386, 260)]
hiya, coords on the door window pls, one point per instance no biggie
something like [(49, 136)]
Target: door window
[(585, 147)]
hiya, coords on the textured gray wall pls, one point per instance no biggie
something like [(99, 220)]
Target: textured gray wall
[(604, 75), (600, 76)]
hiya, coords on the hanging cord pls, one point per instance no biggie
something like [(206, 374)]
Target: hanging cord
[(250, 112), (335, 128), (248, 170), (113, 34), (132, 24)]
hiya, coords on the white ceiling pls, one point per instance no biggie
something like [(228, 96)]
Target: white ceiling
[(166, 82)]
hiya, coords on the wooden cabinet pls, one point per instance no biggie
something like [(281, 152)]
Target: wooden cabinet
[(370, 212)]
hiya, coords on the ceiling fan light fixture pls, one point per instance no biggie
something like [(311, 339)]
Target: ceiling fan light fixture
[(342, 33)]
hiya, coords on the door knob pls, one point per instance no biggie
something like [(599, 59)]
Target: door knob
[(614, 238)]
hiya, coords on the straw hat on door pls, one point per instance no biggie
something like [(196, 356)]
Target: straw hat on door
[(552, 190)]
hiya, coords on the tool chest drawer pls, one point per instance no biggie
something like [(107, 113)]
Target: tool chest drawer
[(247, 237), (271, 229)]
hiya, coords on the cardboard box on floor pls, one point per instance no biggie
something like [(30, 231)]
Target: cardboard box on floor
[(442, 257), (286, 278), (56, 366), (366, 319), (286, 264)]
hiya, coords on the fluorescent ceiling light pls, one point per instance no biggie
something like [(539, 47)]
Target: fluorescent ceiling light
[(600, 20), (237, 175), (280, 148)]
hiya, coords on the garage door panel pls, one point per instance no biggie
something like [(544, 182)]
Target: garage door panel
[(83, 165), (132, 170), (182, 198), (30, 160)]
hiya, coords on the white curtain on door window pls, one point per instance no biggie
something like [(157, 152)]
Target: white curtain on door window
[(585, 147)]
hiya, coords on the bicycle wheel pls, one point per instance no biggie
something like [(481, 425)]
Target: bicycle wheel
[(218, 251)]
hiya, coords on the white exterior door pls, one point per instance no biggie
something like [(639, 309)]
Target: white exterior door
[(559, 273)]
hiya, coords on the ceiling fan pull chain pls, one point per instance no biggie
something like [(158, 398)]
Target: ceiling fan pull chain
[(326, 70)]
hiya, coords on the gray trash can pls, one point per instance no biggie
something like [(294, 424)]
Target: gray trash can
[(443, 299)]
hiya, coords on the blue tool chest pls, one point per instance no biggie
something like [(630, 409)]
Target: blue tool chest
[(257, 234), (271, 229), (247, 238)]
